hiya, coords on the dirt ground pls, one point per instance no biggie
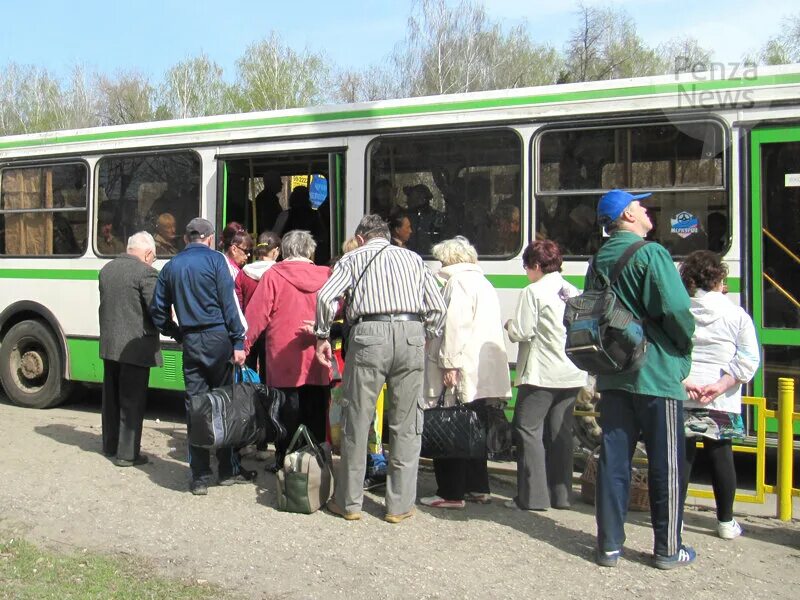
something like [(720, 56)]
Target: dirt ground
[(59, 490)]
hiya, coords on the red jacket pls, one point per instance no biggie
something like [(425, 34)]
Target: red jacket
[(248, 278), (285, 297)]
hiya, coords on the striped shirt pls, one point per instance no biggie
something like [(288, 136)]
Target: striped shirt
[(397, 281)]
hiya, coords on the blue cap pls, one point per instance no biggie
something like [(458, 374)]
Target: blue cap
[(613, 203)]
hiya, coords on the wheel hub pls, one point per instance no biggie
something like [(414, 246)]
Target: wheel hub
[(32, 365)]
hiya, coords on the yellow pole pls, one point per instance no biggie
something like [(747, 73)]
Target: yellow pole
[(785, 447)]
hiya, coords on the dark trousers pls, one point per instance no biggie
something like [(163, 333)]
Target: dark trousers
[(457, 476), (124, 401), (207, 365), (723, 472), (543, 435), (305, 405), (623, 416)]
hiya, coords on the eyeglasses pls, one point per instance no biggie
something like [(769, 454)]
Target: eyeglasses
[(243, 250)]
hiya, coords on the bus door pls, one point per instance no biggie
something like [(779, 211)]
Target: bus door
[(775, 259), (253, 190)]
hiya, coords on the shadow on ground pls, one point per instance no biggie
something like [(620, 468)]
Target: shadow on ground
[(164, 473)]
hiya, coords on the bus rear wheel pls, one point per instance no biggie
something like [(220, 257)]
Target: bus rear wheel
[(31, 366)]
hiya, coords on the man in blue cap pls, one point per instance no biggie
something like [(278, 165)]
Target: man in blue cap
[(647, 401)]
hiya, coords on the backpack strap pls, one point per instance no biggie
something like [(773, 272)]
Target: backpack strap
[(623, 260)]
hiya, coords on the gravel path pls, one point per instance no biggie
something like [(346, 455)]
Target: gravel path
[(59, 489)]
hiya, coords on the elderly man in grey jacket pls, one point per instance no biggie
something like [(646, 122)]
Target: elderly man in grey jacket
[(129, 346)]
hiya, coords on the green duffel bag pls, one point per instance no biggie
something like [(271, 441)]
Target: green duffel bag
[(305, 483)]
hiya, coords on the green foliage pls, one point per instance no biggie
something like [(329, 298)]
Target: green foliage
[(271, 75), (27, 572)]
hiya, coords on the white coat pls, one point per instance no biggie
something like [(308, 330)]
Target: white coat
[(724, 342), (538, 327), (472, 339)]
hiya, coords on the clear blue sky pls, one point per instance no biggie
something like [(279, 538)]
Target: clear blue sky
[(150, 35)]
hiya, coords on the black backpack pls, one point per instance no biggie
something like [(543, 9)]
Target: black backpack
[(603, 336)]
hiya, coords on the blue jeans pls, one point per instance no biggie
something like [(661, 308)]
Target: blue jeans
[(623, 417)]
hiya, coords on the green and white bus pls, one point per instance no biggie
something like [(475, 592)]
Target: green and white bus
[(720, 150)]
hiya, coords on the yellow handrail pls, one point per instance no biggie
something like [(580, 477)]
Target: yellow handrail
[(781, 245), (782, 291)]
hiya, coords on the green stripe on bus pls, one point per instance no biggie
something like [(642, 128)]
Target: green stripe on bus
[(514, 282), (86, 365), (521, 281), (684, 88), (71, 274)]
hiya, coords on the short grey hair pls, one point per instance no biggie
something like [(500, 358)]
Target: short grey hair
[(454, 251), (373, 226), (142, 240), (298, 243)]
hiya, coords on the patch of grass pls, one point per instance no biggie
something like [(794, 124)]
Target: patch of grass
[(29, 572)]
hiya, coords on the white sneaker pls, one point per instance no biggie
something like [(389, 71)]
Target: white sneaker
[(729, 530), (438, 502)]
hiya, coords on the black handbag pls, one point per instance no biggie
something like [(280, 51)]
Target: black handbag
[(452, 431)]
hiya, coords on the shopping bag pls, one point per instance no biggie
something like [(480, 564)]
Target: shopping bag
[(305, 483), (452, 431)]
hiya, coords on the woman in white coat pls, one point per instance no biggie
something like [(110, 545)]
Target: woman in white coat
[(469, 358), (547, 383), (725, 355)]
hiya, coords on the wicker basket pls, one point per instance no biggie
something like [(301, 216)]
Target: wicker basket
[(638, 500)]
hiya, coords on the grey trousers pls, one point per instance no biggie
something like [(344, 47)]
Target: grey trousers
[(543, 435), (378, 353)]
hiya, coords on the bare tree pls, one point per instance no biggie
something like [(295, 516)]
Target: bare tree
[(782, 49), (127, 98), (29, 100), (605, 45), (194, 88), (271, 75), (684, 54), (79, 105)]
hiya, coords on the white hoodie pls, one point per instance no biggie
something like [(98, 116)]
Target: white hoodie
[(257, 269), (724, 342)]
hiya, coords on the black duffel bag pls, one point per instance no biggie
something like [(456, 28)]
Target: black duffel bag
[(225, 417), (452, 431), (237, 415)]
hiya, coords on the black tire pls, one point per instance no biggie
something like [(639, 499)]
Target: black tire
[(31, 366)]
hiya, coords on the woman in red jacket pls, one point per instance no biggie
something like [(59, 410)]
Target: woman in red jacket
[(285, 297)]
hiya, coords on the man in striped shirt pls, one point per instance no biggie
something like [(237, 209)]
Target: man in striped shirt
[(393, 303)]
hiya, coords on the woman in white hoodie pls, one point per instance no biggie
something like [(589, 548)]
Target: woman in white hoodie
[(725, 355), (470, 358)]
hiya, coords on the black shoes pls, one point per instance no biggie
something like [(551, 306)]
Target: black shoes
[(198, 487), (243, 476), (139, 460)]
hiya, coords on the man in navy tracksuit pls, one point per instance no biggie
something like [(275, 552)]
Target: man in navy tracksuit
[(197, 283)]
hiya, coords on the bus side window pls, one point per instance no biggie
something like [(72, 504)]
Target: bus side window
[(44, 210), (156, 192), (681, 163), (455, 183)]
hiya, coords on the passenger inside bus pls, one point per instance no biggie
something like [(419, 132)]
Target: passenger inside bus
[(108, 244), (268, 205), (505, 220), (382, 199), (427, 222), (166, 235)]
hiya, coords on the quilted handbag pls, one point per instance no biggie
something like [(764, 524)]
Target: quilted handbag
[(452, 431)]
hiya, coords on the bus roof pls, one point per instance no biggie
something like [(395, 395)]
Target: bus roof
[(722, 87)]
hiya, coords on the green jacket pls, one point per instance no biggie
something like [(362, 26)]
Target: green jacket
[(651, 288)]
